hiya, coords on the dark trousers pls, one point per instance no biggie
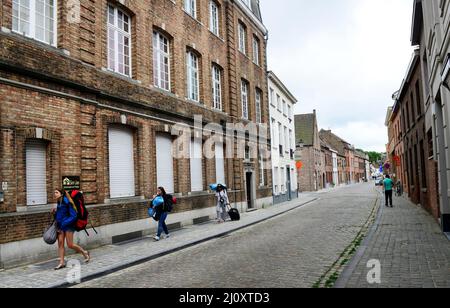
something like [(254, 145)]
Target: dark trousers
[(388, 195), (162, 227)]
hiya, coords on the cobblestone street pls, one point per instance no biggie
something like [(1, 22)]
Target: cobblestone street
[(291, 250)]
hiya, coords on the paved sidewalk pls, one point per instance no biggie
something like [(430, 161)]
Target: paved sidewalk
[(410, 246), (111, 258)]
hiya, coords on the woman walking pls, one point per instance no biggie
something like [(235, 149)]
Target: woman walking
[(222, 202), (162, 212), (66, 217)]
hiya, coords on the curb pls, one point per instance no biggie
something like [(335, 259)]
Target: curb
[(351, 266), (123, 266)]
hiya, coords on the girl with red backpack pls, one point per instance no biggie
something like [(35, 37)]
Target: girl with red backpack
[(66, 217)]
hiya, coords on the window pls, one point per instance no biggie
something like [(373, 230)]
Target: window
[(278, 102), (164, 162), (418, 99), (290, 112), (258, 96), (282, 178), (274, 133), (284, 108), (161, 61), (256, 59), (280, 138), (244, 99), (192, 76), (276, 179), (286, 140), (217, 87), (290, 140), (35, 19), (36, 171), (220, 163), (196, 165), (190, 6), (272, 97), (119, 41), (214, 17), (242, 31), (262, 181)]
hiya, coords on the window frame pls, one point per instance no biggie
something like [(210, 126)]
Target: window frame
[(190, 7), (245, 103), (214, 19), (190, 71), (216, 71), (242, 39), (118, 31), (157, 53), (32, 21)]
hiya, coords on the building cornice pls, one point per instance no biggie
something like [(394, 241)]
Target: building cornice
[(281, 86), (244, 8)]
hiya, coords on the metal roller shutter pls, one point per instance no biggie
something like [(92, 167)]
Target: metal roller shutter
[(220, 164), (121, 162), (196, 165), (36, 172), (164, 163)]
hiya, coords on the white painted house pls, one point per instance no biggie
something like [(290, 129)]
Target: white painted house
[(282, 127)]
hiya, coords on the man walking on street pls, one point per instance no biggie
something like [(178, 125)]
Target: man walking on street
[(388, 185)]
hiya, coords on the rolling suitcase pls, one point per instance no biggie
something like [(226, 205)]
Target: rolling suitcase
[(234, 214)]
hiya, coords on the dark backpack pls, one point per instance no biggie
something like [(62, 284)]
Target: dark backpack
[(82, 212), (169, 202)]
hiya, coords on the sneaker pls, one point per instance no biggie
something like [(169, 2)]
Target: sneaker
[(167, 236), (156, 238)]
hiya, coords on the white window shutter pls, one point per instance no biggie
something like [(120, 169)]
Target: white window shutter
[(121, 162), (196, 166), (164, 162), (36, 172)]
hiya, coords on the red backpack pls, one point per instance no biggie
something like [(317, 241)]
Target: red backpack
[(82, 212)]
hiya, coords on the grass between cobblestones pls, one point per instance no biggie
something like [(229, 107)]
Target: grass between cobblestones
[(330, 277)]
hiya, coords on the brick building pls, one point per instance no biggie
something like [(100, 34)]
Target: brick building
[(431, 34), (345, 156), (409, 146), (96, 90), (311, 176)]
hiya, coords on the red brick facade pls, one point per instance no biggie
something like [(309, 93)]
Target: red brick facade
[(65, 97)]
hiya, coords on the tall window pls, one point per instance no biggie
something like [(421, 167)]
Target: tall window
[(119, 41), (244, 99), (256, 50), (161, 61), (418, 99), (272, 97), (214, 17), (262, 181), (278, 102), (242, 31), (258, 97), (35, 19), (280, 138), (289, 112), (190, 6), (192, 76), (217, 87)]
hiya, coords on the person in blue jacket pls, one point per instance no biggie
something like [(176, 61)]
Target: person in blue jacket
[(162, 211), (66, 217)]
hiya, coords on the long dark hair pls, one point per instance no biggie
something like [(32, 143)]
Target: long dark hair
[(163, 191), (65, 194)]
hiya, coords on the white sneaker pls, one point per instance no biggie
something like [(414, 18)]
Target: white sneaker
[(156, 238), (166, 235)]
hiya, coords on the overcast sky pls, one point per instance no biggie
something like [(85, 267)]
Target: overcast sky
[(343, 58)]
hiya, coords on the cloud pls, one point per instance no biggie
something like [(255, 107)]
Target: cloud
[(343, 58)]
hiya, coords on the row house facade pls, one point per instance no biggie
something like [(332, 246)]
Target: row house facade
[(431, 33), (409, 144), (282, 125), (311, 174), (95, 92)]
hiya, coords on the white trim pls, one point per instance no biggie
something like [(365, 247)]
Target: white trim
[(192, 69), (216, 82)]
